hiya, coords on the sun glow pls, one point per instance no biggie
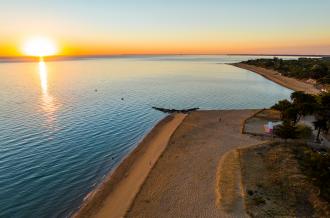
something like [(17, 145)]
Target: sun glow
[(39, 47)]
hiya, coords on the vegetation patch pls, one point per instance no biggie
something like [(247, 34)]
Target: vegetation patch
[(301, 105), (317, 69), (276, 185), (316, 165)]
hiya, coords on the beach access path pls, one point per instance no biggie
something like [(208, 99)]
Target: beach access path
[(288, 82), (183, 182)]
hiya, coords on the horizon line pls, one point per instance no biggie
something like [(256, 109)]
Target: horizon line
[(71, 57)]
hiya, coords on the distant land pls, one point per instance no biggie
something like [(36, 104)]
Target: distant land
[(294, 55), (79, 57)]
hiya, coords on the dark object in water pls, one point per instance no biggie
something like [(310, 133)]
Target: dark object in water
[(122, 99), (165, 110)]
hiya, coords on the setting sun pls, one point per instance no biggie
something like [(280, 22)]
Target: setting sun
[(39, 47)]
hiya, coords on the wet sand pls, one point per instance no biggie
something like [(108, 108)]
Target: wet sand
[(115, 195), (185, 180), (291, 83)]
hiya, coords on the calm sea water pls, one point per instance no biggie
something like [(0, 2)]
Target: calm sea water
[(64, 125)]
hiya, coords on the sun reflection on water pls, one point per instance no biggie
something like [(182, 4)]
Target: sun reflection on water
[(48, 104), (43, 77)]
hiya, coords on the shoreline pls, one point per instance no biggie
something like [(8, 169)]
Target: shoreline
[(113, 197), (288, 82), (117, 193)]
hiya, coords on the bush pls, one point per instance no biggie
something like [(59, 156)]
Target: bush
[(258, 200), (282, 105), (286, 131), (316, 165), (304, 132)]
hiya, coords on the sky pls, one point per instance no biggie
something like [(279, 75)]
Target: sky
[(102, 27)]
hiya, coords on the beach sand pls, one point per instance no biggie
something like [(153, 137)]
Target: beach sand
[(291, 83), (115, 195), (185, 180)]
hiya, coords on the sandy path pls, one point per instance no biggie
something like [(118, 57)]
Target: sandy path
[(274, 76), (117, 193), (183, 183), (229, 185)]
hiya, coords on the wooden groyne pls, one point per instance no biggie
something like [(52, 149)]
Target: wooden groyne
[(170, 111)]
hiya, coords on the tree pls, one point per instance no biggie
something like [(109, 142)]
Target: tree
[(277, 63), (318, 71), (322, 115), (291, 115), (299, 97), (282, 106), (305, 104), (325, 100), (320, 125)]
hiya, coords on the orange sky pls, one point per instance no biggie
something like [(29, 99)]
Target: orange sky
[(164, 27)]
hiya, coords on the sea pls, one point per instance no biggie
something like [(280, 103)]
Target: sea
[(66, 124)]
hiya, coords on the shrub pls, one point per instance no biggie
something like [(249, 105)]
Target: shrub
[(304, 132), (258, 200), (286, 131), (316, 165)]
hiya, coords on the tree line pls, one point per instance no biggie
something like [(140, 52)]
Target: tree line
[(303, 68)]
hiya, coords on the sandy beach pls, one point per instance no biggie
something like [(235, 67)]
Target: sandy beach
[(115, 195), (179, 171), (291, 83), (185, 179)]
